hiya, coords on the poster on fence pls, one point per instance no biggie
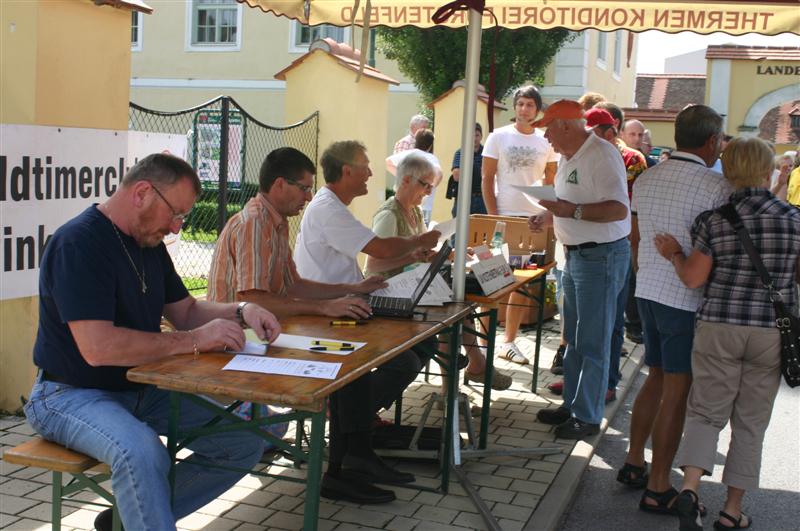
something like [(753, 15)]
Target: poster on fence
[(48, 175), (207, 146)]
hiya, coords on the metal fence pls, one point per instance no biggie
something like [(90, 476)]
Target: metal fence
[(226, 146)]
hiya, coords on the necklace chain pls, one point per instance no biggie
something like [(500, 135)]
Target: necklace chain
[(130, 259)]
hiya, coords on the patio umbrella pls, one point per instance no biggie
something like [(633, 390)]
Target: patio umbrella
[(734, 17)]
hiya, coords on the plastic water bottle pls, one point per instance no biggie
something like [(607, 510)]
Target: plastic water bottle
[(499, 235)]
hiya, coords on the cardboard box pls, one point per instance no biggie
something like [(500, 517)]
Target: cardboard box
[(520, 239)]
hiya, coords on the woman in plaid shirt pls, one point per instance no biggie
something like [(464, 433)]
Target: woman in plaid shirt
[(736, 353)]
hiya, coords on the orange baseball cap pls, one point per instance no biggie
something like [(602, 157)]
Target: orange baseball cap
[(560, 110)]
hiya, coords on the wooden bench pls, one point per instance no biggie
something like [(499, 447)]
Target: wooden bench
[(87, 473)]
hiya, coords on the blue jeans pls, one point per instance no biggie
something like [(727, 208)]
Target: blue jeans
[(476, 206), (618, 334), (122, 428), (593, 279)]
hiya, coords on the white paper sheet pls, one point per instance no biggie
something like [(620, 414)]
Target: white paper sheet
[(306, 343), (447, 228), (287, 367), (548, 193), (404, 284), (253, 348)]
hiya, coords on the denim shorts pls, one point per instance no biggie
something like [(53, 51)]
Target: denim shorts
[(668, 336)]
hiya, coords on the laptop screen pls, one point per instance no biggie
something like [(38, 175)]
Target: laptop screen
[(433, 269)]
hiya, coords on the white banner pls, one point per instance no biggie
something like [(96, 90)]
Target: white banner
[(49, 175)]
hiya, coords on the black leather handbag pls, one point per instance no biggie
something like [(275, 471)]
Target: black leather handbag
[(452, 188), (788, 325)]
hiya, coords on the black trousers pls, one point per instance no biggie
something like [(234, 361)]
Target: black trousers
[(353, 406)]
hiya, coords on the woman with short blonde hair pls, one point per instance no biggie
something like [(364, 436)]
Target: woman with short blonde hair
[(736, 353)]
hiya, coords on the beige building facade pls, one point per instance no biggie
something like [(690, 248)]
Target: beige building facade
[(756, 89), (179, 62)]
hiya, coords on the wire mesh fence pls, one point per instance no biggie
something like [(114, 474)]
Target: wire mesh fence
[(226, 146)]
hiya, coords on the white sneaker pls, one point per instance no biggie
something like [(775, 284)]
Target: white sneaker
[(511, 352)]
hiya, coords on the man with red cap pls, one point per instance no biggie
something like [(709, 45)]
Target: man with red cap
[(591, 217)]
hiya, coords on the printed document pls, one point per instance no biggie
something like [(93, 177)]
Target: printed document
[(286, 367), (548, 193)]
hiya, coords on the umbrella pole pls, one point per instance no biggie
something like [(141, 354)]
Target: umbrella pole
[(467, 148)]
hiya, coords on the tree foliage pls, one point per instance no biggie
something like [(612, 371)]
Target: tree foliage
[(434, 58)]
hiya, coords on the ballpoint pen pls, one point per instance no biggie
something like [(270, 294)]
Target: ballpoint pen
[(333, 348)]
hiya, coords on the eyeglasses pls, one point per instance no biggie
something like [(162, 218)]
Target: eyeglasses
[(428, 186), (304, 187), (176, 216)]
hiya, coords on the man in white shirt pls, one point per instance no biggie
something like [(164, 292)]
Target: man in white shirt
[(667, 199), (591, 217), (516, 154), (329, 242)]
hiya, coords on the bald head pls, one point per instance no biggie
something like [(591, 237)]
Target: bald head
[(633, 133)]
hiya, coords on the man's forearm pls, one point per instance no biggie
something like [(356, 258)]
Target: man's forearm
[(282, 306), (604, 212), (103, 344), (196, 313), (487, 190), (311, 289)]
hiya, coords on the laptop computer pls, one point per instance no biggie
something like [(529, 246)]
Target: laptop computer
[(384, 306)]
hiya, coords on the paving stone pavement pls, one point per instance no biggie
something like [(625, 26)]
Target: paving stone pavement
[(522, 492)]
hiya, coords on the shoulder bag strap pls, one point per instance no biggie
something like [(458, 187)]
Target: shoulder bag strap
[(728, 211)]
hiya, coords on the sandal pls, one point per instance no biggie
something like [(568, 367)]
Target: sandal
[(719, 526), (664, 501), (688, 509), (633, 476)]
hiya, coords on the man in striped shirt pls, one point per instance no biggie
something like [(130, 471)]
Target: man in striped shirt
[(253, 262)]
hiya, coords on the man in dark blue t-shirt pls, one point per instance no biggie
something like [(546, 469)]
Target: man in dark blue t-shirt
[(105, 281), (477, 205)]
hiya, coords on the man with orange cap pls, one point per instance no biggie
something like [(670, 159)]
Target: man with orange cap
[(591, 217)]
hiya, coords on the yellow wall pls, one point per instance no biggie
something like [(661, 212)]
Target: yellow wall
[(264, 47), (449, 113), (746, 87), (662, 133), (50, 44), (347, 110), (64, 64), (616, 89)]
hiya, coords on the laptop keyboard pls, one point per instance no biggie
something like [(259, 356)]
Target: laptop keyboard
[(388, 303)]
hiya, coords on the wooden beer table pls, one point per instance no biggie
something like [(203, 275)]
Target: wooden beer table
[(187, 376)]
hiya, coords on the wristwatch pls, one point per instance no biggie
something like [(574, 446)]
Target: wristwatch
[(578, 214), (240, 313)]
